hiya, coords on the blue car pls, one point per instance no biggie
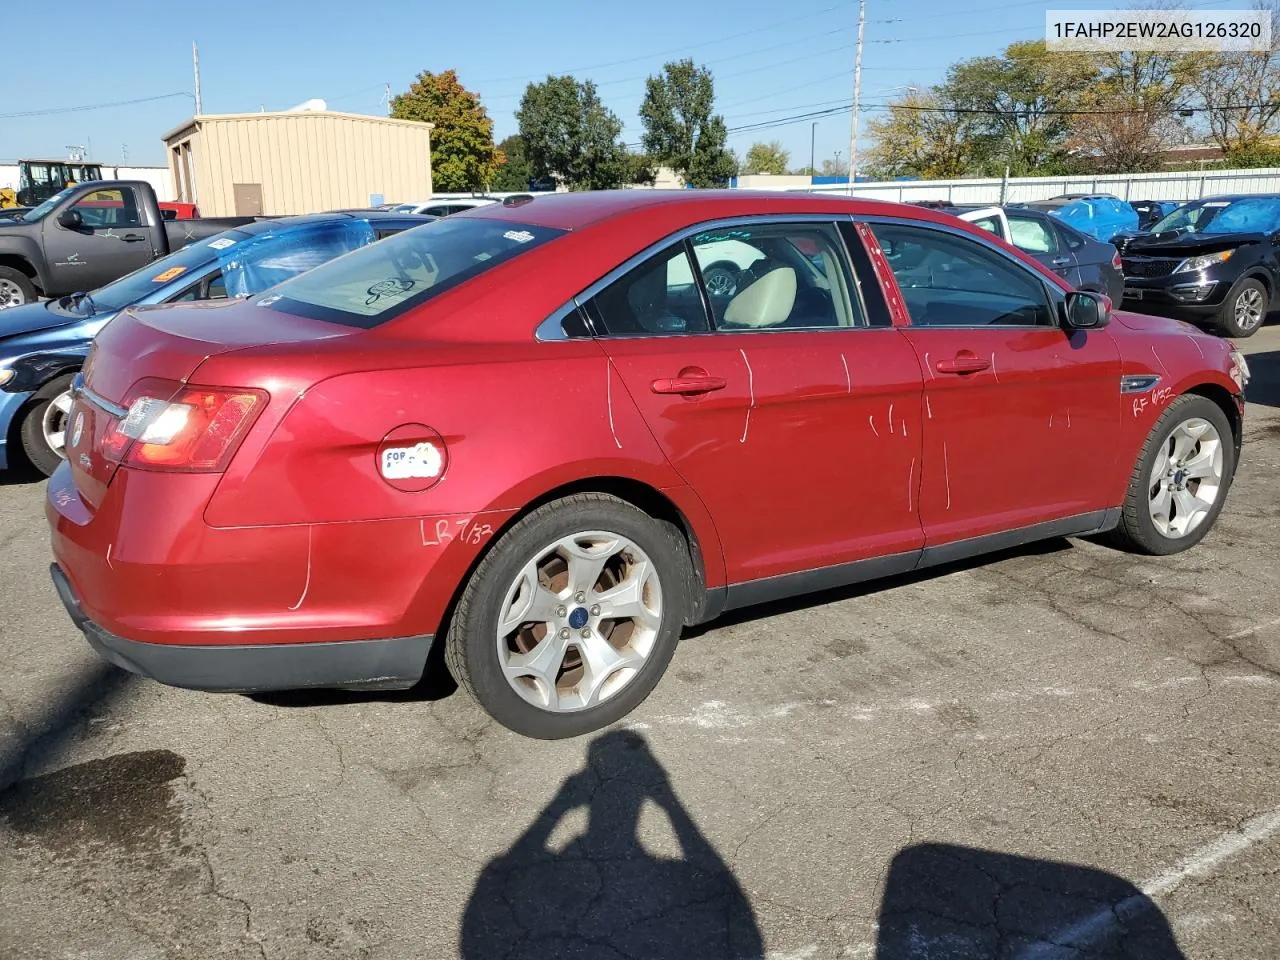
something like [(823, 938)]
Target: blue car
[(43, 345), (1097, 215)]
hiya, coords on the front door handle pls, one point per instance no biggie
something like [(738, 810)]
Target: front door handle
[(1061, 261), (689, 385), (963, 365), (131, 237)]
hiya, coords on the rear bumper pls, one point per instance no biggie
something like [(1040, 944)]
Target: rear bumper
[(394, 664)]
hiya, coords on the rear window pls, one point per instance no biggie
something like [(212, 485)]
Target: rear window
[(378, 283)]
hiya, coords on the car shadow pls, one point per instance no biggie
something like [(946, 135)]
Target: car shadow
[(942, 900), (1264, 383), (583, 881)]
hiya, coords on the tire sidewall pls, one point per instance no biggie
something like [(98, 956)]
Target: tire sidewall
[(1184, 408), (478, 624), (23, 282), (1227, 318), (37, 451)]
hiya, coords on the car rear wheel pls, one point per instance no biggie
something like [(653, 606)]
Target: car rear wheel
[(1181, 479), (1245, 309), (571, 619), (44, 425), (16, 288)]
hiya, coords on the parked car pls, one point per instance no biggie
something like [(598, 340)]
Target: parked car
[(43, 345), (1099, 216), (1083, 262), (1151, 212), (1211, 262), (445, 206), (88, 235), (520, 434)]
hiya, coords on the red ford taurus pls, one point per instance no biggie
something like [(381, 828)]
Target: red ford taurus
[(550, 433)]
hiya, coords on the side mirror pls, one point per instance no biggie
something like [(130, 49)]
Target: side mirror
[(1087, 311), (71, 219)]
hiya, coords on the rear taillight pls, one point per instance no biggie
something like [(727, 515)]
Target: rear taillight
[(188, 429), (1116, 261)]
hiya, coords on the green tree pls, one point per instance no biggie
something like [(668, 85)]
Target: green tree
[(680, 130), (766, 158), (515, 173), (640, 169), (570, 135), (463, 156), (1018, 100)]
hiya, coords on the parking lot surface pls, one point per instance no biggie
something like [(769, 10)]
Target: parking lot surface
[(1060, 752)]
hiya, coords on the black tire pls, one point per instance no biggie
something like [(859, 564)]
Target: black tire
[(470, 646), (1227, 320), (1137, 532), (39, 454), (26, 289)]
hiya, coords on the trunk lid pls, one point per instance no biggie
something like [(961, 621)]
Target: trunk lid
[(160, 343)]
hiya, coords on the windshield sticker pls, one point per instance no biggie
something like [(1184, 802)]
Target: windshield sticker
[(388, 288), (519, 236), (1218, 203), (167, 275), (221, 243)]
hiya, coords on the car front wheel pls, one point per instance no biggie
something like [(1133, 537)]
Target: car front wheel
[(44, 425), (1180, 482), (1245, 309), (571, 619)]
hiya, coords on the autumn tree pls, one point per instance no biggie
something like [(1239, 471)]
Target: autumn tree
[(1129, 115), (922, 135), (1239, 97), (463, 156), (766, 158), (680, 129), (570, 135)]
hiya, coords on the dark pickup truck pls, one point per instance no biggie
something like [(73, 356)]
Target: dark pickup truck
[(89, 235)]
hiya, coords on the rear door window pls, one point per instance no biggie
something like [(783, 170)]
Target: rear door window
[(1031, 234), (376, 283)]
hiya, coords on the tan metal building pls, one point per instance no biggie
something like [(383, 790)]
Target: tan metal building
[(305, 161)]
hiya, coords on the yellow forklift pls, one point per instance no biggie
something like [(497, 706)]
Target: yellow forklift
[(38, 180)]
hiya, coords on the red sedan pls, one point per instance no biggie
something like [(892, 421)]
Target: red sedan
[(550, 433)]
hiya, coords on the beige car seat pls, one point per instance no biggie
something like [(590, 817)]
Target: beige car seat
[(766, 302)]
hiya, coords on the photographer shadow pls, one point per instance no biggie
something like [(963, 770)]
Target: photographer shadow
[(602, 894)]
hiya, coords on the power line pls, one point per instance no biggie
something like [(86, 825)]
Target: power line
[(90, 106)]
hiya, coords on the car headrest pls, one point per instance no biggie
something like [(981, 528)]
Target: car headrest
[(767, 302)]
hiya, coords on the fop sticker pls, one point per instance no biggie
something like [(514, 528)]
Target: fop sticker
[(420, 461), (519, 236), (221, 243)]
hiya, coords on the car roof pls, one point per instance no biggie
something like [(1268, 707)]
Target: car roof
[(577, 210)]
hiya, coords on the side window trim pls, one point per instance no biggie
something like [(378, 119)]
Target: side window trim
[(1053, 293), (550, 329)]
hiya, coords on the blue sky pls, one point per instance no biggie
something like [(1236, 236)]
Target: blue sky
[(770, 60)]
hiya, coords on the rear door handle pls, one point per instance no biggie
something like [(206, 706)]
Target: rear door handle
[(962, 365), (689, 385), (131, 237), (1061, 261)]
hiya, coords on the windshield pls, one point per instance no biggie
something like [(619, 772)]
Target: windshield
[(380, 282), (42, 211), (1251, 215)]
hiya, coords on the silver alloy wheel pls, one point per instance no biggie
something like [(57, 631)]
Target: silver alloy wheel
[(11, 294), (54, 423), (1249, 308), (1186, 480), (579, 621)]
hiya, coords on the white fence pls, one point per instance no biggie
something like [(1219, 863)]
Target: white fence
[(1170, 185)]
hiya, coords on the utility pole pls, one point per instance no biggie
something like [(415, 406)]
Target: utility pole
[(857, 95), (386, 97), (813, 134), (195, 63)]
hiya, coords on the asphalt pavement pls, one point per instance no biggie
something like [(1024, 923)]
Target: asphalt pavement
[(1059, 752)]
